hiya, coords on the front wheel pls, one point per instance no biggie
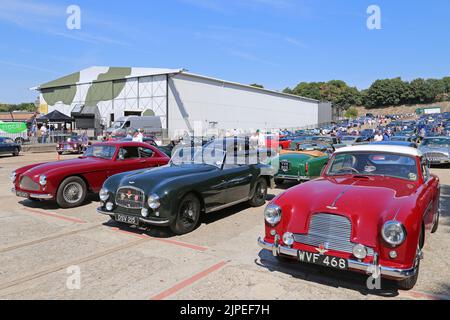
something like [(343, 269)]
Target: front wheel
[(260, 195), (188, 215), (409, 283), (71, 193), (16, 152)]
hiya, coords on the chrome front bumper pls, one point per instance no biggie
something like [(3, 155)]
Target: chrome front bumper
[(144, 220), (367, 268), (34, 195)]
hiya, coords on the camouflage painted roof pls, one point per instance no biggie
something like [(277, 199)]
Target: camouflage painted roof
[(99, 74)]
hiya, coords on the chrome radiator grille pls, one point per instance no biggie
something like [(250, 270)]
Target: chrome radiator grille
[(130, 198), (435, 155), (26, 183), (331, 231)]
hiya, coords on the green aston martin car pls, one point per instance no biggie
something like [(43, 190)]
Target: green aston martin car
[(197, 180), (302, 162)]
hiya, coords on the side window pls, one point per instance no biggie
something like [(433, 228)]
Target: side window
[(127, 153), (127, 124), (146, 153)]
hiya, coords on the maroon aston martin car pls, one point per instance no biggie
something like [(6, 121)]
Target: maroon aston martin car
[(68, 182)]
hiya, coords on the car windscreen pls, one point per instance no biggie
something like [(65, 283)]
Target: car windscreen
[(99, 151), (374, 164), (436, 142), (198, 155)]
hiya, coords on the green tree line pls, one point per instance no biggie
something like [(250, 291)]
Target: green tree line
[(385, 92), (17, 107)]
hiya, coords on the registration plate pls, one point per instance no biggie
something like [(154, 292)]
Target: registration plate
[(285, 166), (323, 260), (22, 194), (127, 219)]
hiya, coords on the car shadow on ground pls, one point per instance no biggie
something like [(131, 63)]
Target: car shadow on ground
[(326, 276), (165, 232), (52, 205)]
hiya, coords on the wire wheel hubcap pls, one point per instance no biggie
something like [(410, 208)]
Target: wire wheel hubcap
[(73, 192), (188, 213)]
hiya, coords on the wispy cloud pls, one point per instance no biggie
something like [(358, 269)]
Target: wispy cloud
[(26, 66), (230, 6), (51, 18), (250, 57)]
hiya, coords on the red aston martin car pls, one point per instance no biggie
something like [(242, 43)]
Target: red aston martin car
[(68, 182), (370, 211)]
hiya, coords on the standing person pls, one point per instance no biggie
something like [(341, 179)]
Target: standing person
[(386, 136), (44, 133), (378, 137), (254, 140), (138, 136), (261, 139)]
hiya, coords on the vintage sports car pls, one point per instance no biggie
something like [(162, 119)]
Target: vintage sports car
[(436, 149), (370, 211), (68, 182), (74, 144), (197, 180), (302, 163), (166, 149), (8, 146)]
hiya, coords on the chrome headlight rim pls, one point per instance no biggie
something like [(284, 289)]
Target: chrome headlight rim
[(154, 201), (272, 214), (288, 239), (103, 194), (397, 225), (43, 180), (13, 176)]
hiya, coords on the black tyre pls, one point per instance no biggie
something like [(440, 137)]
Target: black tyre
[(409, 283), (188, 215), (60, 153), (260, 195), (279, 182), (71, 193), (16, 152)]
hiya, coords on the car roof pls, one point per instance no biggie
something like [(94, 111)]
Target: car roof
[(409, 151), (122, 144)]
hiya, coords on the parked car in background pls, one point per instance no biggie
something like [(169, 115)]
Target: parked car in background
[(328, 221), (396, 143), (166, 149), (68, 182), (74, 144), (302, 163), (8, 146), (16, 131), (436, 149), (197, 180)]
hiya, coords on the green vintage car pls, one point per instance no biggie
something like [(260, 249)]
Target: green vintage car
[(304, 161), (197, 180)]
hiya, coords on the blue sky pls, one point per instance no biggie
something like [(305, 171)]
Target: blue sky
[(276, 43)]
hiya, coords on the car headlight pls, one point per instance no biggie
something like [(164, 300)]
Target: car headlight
[(393, 233), (272, 214), (153, 201), (42, 180), (13, 176), (103, 194)]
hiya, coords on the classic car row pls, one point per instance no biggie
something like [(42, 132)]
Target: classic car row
[(325, 221)]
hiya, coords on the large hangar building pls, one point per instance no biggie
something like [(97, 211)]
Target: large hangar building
[(183, 100)]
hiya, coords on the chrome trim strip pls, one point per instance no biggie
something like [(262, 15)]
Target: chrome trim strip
[(395, 273), (227, 205), (35, 195)]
